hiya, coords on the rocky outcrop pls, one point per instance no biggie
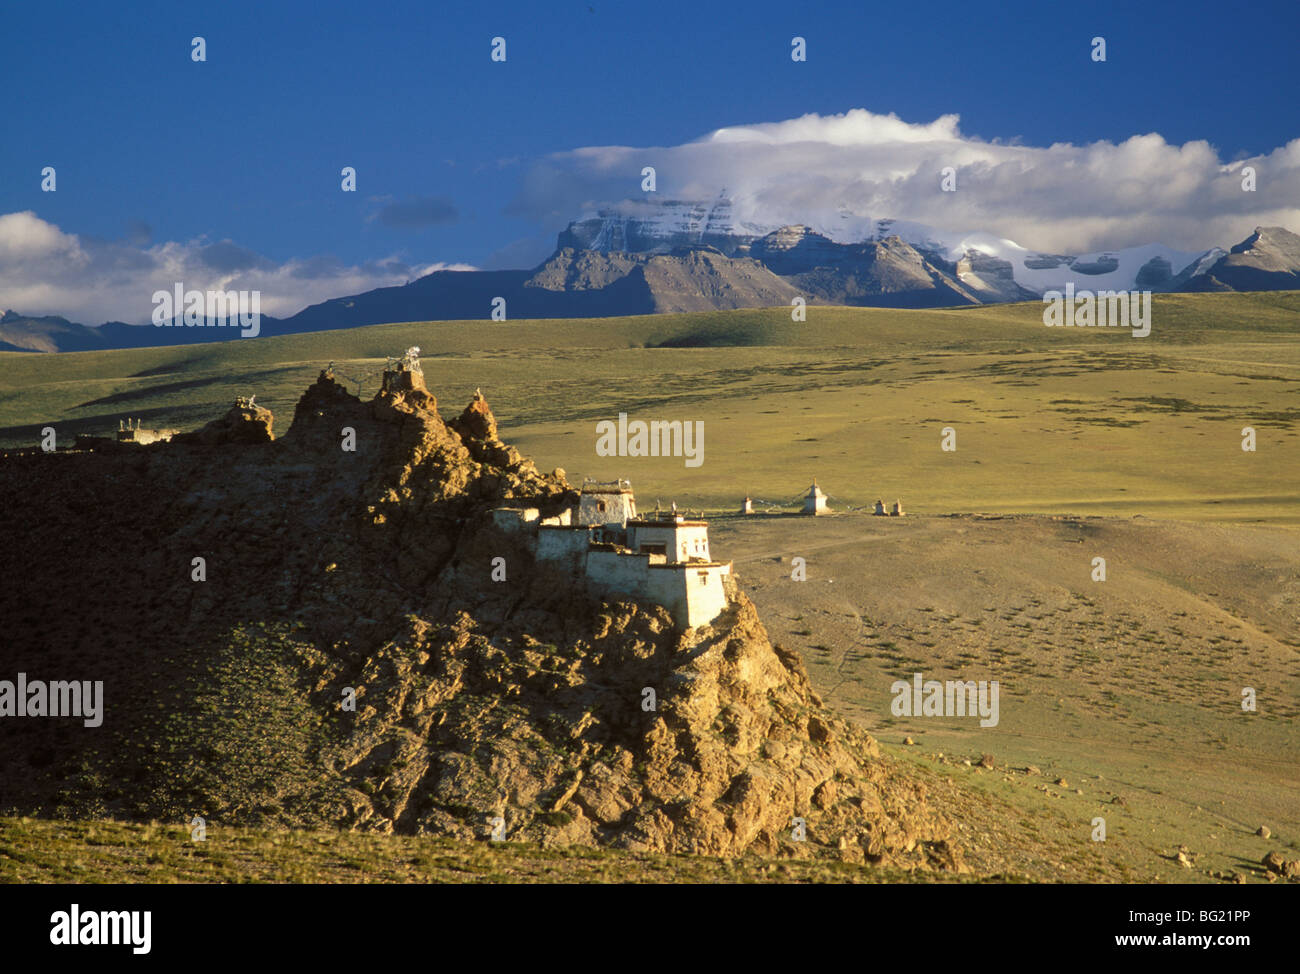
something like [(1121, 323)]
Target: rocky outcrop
[(477, 422), (1277, 865), (367, 649), (240, 424), (620, 732)]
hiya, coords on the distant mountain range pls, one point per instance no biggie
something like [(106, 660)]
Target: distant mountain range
[(676, 256)]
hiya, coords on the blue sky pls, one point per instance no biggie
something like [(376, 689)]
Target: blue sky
[(150, 147)]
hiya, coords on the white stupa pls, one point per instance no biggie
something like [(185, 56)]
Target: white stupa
[(814, 501)]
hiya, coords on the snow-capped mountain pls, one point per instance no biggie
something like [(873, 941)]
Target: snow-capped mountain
[(984, 261), (668, 257)]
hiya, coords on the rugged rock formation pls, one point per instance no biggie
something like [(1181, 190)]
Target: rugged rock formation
[(348, 658), (477, 422), (240, 424)]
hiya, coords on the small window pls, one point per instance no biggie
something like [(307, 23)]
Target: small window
[(600, 506)]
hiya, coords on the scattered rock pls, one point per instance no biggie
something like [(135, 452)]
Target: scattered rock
[(1263, 832), (1279, 865), (986, 760)]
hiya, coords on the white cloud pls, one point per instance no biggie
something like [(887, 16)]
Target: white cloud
[(840, 171), (44, 270), (26, 237), (853, 168)]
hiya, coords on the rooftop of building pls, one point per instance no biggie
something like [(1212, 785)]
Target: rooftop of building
[(619, 486), (666, 520)]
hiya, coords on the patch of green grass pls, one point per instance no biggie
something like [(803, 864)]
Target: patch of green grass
[(749, 368)]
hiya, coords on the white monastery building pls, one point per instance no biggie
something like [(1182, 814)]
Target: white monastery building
[(662, 559)]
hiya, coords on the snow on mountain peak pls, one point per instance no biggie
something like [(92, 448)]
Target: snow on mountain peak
[(640, 226)]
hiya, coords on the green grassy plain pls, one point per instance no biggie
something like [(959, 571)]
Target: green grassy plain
[(1047, 420)]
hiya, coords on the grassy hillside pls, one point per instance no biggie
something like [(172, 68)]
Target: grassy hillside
[(1128, 691), (1049, 420)]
